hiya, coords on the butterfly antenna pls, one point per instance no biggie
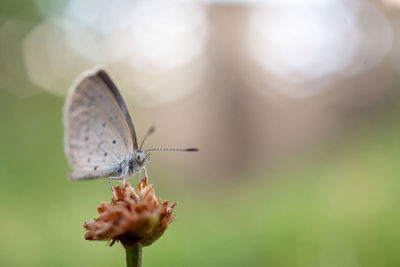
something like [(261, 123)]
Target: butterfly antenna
[(149, 132), (172, 149)]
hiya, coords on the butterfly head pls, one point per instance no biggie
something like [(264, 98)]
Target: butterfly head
[(141, 158)]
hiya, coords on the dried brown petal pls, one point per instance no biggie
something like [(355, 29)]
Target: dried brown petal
[(134, 216)]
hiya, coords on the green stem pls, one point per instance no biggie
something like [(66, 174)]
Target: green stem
[(134, 255)]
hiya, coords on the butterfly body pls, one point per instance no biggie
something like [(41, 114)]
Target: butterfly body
[(133, 164)]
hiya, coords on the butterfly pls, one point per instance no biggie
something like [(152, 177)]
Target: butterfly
[(99, 137)]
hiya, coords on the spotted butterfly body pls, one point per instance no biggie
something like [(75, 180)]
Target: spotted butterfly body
[(99, 137)]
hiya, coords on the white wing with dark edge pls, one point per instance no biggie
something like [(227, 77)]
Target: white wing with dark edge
[(98, 130)]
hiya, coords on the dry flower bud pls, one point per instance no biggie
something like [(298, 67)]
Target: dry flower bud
[(134, 216)]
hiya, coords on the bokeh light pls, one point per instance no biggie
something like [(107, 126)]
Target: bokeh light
[(374, 37), (166, 35), (303, 42), (147, 38), (317, 42), (50, 62)]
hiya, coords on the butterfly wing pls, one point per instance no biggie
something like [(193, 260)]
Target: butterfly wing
[(98, 129)]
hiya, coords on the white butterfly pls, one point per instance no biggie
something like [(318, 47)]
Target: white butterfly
[(99, 137)]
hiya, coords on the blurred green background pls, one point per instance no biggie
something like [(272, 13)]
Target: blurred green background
[(337, 207), (332, 202)]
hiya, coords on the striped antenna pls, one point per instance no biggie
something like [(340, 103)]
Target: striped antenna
[(172, 149)]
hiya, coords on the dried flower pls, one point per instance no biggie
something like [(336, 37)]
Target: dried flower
[(135, 217)]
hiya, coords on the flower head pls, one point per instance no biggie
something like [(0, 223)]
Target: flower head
[(133, 217)]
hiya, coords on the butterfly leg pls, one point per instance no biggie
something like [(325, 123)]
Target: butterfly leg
[(145, 172), (112, 189), (139, 174)]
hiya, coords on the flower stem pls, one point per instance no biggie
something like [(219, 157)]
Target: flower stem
[(134, 255)]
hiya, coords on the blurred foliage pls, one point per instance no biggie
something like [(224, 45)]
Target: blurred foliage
[(338, 206)]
